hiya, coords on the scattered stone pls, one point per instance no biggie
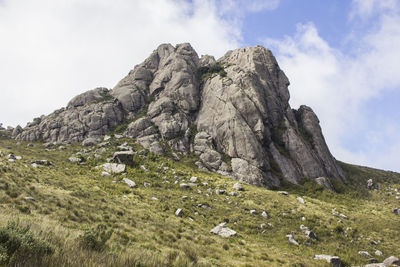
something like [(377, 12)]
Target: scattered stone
[(392, 260), (29, 199), (30, 145), (105, 174), (18, 157), (75, 160), (292, 240), (364, 254), (301, 200), (193, 179), (114, 168), (106, 138), (370, 184), (179, 212), (303, 218), (234, 194), (34, 165), (375, 265), (265, 215), (238, 187), (334, 260), (253, 212), (123, 157), (43, 162), (283, 193), (129, 182), (184, 186), (143, 168), (184, 197), (11, 156), (310, 234), (378, 253), (146, 184), (222, 230), (396, 211), (219, 192), (118, 136), (154, 198)]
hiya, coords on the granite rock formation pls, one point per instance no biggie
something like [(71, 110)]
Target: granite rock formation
[(233, 113)]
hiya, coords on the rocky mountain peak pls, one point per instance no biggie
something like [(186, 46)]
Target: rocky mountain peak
[(233, 113)]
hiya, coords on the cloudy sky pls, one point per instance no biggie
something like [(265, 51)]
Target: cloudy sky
[(342, 57)]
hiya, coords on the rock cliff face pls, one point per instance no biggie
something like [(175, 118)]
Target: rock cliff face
[(233, 113)]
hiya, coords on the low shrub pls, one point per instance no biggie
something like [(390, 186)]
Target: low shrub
[(18, 245)]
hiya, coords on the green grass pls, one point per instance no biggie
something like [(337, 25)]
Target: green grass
[(88, 219)]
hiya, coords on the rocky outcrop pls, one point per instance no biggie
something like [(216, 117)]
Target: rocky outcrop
[(233, 113), (86, 116)]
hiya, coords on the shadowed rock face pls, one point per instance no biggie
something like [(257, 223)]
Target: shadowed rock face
[(233, 113)]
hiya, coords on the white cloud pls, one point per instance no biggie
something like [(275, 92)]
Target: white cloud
[(366, 8), (340, 85), (52, 50)]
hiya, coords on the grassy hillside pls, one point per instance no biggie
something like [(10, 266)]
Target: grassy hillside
[(80, 218)]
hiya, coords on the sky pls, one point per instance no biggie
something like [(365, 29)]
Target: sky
[(342, 57)]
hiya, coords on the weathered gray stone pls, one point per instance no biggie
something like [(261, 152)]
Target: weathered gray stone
[(179, 212), (89, 96), (370, 184), (43, 162), (75, 160), (301, 200), (292, 240), (129, 182), (392, 260), (222, 230), (283, 193), (265, 215), (378, 253), (238, 187), (114, 168)]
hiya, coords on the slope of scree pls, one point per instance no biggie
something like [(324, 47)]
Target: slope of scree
[(233, 113)]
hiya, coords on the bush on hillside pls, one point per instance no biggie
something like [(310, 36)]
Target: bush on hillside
[(18, 245)]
